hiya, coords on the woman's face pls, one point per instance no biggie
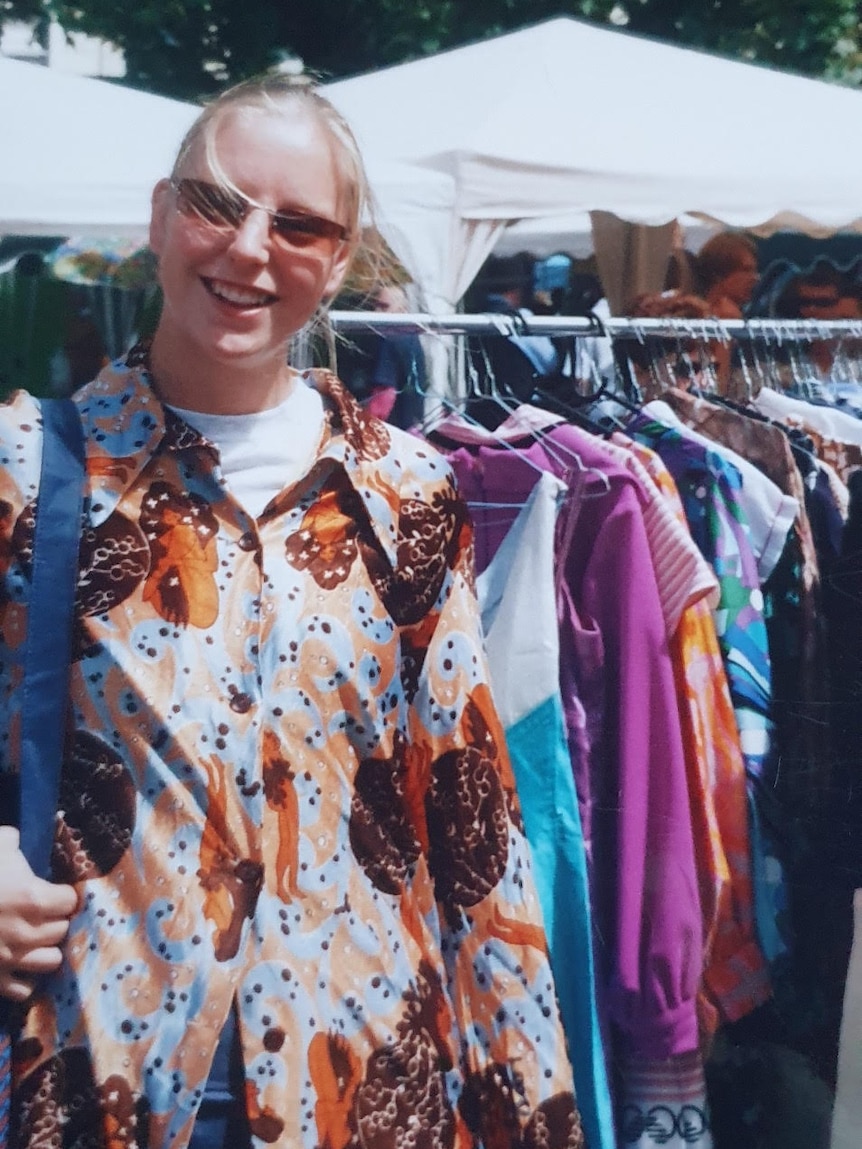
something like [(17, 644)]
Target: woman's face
[(235, 295), (739, 284)]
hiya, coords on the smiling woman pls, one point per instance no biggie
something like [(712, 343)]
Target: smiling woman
[(249, 247), (293, 900)]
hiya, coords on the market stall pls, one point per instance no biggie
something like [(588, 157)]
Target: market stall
[(566, 117)]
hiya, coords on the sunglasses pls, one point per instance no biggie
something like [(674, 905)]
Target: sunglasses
[(222, 209)]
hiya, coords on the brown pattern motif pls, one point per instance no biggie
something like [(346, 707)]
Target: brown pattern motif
[(367, 437), (7, 549), (115, 559), (467, 828), (181, 531), (414, 648), (62, 1092), (231, 883), (326, 544), (280, 794), (401, 1100), (262, 1121), (335, 530), (97, 804), (180, 435), (486, 733), (492, 1106), (556, 1124), (432, 536), (454, 810), (22, 537), (381, 835)]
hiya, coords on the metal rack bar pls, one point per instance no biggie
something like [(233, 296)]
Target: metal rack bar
[(775, 331)]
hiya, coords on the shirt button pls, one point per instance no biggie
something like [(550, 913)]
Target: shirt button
[(248, 541)]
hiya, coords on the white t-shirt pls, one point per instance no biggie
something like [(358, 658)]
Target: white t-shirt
[(265, 451)]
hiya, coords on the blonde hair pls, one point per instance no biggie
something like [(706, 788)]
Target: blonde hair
[(273, 92)]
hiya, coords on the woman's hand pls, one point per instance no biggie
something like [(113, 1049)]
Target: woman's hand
[(34, 920)]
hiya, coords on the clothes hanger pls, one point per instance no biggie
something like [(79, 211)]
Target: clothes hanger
[(559, 393), (512, 409)]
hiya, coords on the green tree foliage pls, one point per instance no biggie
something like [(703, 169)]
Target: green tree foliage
[(190, 48), (800, 35)]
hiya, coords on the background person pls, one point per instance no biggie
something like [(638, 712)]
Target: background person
[(299, 895), (657, 364), (510, 364), (727, 273), (823, 292), (386, 371)]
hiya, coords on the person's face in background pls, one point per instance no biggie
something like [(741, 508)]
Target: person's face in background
[(391, 298), (818, 300), (739, 284)]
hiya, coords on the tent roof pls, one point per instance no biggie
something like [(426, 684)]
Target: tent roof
[(80, 156), (569, 117)]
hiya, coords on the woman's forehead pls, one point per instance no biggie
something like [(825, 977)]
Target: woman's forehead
[(245, 133)]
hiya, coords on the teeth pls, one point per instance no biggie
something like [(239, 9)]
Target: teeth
[(243, 297)]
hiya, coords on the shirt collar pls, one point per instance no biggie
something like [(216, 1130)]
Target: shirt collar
[(125, 425)]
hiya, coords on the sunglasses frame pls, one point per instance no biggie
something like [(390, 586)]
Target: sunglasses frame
[(194, 196)]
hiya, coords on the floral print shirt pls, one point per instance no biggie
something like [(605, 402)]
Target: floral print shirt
[(285, 787)]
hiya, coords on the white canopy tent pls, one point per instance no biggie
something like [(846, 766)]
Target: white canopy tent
[(566, 118), (79, 157)]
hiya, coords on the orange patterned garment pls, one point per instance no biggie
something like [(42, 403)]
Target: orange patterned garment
[(285, 786)]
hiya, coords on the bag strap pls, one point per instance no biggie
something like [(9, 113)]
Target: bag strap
[(48, 645)]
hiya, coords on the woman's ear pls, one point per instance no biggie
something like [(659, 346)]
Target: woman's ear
[(159, 211)]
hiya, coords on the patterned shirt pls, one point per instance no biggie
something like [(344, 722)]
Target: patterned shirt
[(285, 786), (709, 488)]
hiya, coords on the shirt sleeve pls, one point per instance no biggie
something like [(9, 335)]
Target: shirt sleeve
[(515, 1065)]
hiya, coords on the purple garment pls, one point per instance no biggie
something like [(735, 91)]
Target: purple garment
[(649, 922)]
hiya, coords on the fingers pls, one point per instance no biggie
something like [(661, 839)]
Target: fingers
[(52, 901), (39, 961), (19, 938), (16, 988), (19, 983)]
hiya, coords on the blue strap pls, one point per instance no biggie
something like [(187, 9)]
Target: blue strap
[(48, 647)]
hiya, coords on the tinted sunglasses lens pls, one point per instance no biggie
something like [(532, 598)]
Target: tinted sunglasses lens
[(210, 203), (304, 231)]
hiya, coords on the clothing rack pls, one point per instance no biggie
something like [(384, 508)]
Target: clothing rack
[(776, 331)]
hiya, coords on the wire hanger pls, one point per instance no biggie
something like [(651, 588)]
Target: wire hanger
[(512, 407)]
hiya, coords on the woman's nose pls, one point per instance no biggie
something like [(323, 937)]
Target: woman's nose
[(252, 236)]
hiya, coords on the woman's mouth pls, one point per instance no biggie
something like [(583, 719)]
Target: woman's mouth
[(236, 296)]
